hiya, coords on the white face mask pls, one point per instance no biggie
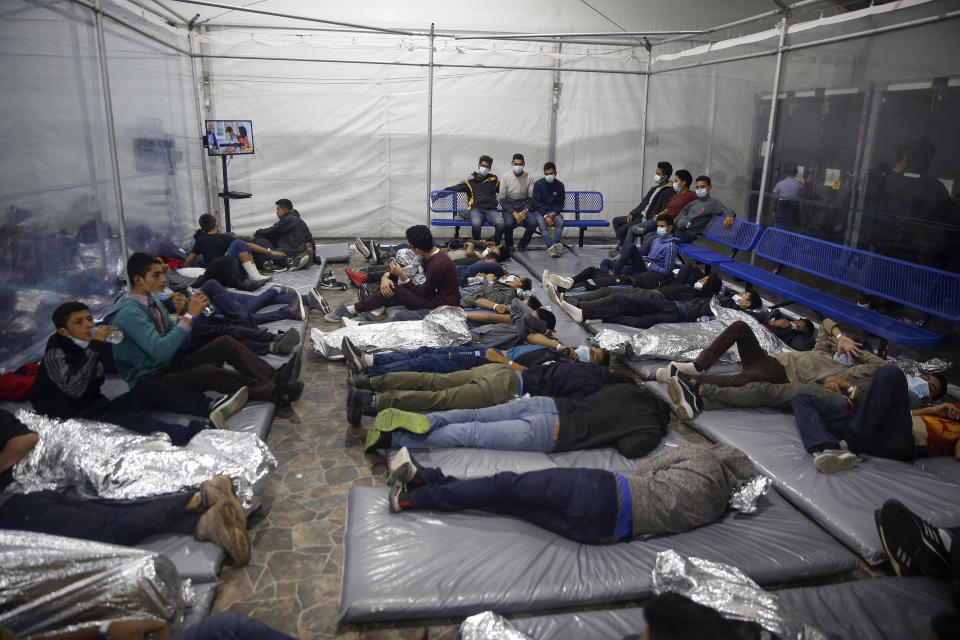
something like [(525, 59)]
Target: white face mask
[(676, 187), (483, 171), (518, 170), (661, 231), (583, 353), (737, 297), (509, 278), (550, 178), (484, 253), (657, 178), (702, 193), (698, 285)]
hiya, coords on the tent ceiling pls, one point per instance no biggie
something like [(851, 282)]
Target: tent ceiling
[(499, 16)]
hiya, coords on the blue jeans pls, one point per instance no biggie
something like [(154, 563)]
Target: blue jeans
[(429, 360), (630, 262), (535, 220), (579, 504), (232, 254), (881, 426), (230, 625), (477, 218), (524, 424), (240, 308), (399, 314), (638, 229)]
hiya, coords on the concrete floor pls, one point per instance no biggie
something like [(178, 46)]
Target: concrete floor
[(294, 577)]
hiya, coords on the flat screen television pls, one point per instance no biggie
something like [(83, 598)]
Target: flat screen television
[(228, 137)]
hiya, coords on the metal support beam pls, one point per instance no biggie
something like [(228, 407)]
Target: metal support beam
[(768, 151), (430, 122), (554, 109), (600, 34)]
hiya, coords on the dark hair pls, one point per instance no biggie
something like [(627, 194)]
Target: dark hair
[(518, 156), (504, 252), (755, 301), (605, 360), (666, 167), (207, 223), (547, 316), (920, 153), (684, 176), (534, 303), (485, 158), (242, 130), (789, 168), (419, 237), (230, 129), (285, 204), (139, 264), (671, 616), (807, 321), (549, 165), (943, 384), (525, 284), (665, 217), (62, 313), (704, 179)]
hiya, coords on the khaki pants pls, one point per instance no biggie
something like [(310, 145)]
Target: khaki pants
[(765, 394), (483, 386)]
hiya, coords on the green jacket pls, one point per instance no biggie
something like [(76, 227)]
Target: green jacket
[(143, 351)]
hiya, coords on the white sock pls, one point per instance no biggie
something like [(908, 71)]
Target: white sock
[(351, 309), (367, 359), (251, 270)]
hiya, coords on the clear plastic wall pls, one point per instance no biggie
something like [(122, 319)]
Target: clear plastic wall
[(60, 237)]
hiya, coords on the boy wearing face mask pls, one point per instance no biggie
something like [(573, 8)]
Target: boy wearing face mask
[(653, 202), (695, 216), (516, 197), (72, 372), (549, 196), (682, 196), (482, 188)]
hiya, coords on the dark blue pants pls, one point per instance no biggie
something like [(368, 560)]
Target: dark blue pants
[(630, 262), (620, 227), (240, 308), (579, 504), (134, 410), (881, 426), (230, 625), (429, 360)]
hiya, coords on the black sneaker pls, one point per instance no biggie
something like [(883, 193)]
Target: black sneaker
[(376, 251), (353, 357), (403, 469), (400, 499), (360, 381), (684, 392), (287, 394), (913, 545), (359, 402), (317, 303), (295, 310), (286, 342), (290, 371)]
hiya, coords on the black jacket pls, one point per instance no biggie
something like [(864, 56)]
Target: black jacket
[(565, 379), (481, 190), (289, 234), (69, 379), (660, 201), (626, 416)]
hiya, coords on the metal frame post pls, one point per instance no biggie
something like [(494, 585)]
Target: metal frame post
[(430, 121), (208, 196), (554, 108), (768, 151), (643, 129)]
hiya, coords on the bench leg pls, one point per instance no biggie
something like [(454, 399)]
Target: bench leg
[(582, 230), (456, 232)]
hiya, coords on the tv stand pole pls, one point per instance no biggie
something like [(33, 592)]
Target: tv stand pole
[(228, 195)]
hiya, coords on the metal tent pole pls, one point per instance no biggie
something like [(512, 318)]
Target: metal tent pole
[(768, 152), (430, 121)]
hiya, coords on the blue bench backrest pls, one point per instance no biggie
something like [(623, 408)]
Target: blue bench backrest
[(742, 235), (925, 288), (575, 202)]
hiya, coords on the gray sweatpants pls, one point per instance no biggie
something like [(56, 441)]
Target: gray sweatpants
[(765, 394)]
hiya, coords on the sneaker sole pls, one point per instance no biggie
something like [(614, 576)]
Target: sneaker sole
[(392, 419), (233, 404), (288, 342), (362, 248), (833, 464), (370, 443), (317, 299), (684, 410), (401, 468)]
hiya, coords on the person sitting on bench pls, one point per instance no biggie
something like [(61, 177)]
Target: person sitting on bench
[(695, 217), (441, 285), (653, 202), (834, 354), (72, 372), (516, 197), (682, 196), (482, 386), (290, 235), (481, 188), (679, 489), (213, 513), (626, 416), (549, 197), (211, 244), (882, 425), (152, 340)]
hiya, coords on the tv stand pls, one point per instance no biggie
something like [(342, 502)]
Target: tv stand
[(228, 195)]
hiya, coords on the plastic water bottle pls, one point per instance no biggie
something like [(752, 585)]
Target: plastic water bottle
[(704, 319), (115, 337), (207, 310)]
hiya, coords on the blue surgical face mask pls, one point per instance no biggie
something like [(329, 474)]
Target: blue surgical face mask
[(843, 359), (518, 170), (737, 297), (509, 278), (918, 387), (676, 187), (702, 193), (661, 231), (160, 296), (583, 353), (698, 285), (483, 171), (795, 326), (657, 178), (80, 343), (550, 178)]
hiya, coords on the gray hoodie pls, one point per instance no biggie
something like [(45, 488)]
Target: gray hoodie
[(686, 487)]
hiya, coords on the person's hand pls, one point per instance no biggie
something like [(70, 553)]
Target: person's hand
[(947, 410), (704, 280), (501, 308), (397, 270), (277, 254), (549, 219), (783, 323), (198, 303), (138, 630), (493, 355), (386, 286), (629, 219), (164, 267), (179, 302), (647, 263), (728, 222), (848, 346), (102, 332), (835, 384)]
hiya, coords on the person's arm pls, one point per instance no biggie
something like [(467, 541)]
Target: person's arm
[(75, 380), (540, 202), (942, 410), (17, 449), (500, 357), (273, 253), (837, 384), (489, 318), (189, 261), (461, 186), (543, 340), (483, 303), (729, 215), (560, 199), (138, 328)]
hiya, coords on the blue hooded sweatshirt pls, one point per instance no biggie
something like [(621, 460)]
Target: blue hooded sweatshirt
[(143, 351), (663, 253)]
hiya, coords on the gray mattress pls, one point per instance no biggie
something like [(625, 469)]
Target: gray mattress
[(842, 502), (205, 593), (339, 252), (567, 331), (945, 466), (574, 260), (302, 280), (877, 609)]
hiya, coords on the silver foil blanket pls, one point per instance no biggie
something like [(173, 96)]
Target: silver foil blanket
[(489, 626), (443, 327), (51, 584), (683, 341), (101, 460), (745, 498), (412, 265), (726, 589), (911, 367)]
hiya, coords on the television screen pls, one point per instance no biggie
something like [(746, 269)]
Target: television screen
[(228, 137)]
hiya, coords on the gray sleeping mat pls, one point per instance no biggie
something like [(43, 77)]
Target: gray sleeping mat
[(842, 502), (572, 262), (302, 280), (946, 466), (338, 252), (872, 609), (427, 564)]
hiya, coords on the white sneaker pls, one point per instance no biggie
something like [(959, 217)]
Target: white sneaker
[(687, 367), (227, 406), (545, 278), (560, 281), (833, 460), (362, 247), (575, 312), (552, 293), (555, 250)]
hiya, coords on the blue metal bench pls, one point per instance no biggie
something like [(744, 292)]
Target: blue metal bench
[(742, 236), (930, 290), (576, 202)]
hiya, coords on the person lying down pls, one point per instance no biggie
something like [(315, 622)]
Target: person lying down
[(682, 488)]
